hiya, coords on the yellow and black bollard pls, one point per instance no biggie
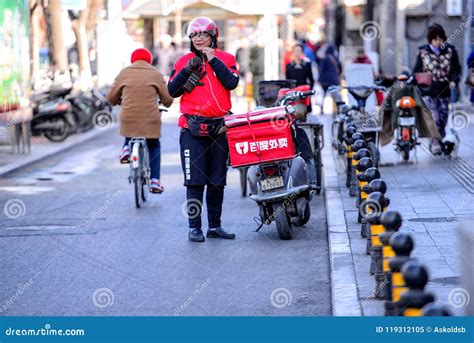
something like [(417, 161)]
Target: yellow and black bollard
[(362, 165), (370, 174), (402, 244), (374, 205), (356, 146), (360, 171), (391, 221), (435, 310), (350, 130), (377, 185), (415, 298)]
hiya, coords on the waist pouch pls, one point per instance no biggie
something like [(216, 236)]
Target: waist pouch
[(205, 127)]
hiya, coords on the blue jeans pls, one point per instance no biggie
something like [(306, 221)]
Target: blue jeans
[(154, 151), (439, 108)]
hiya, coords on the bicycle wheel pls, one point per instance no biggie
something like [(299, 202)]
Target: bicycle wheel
[(318, 164), (145, 175), (138, 185)]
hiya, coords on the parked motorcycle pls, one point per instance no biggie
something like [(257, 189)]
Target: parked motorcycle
[(406, 134), (279, 182), (52, 115)]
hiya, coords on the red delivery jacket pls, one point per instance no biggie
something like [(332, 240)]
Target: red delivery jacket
[(213, 98)]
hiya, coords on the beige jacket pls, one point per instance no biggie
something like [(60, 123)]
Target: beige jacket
[(137, 88)]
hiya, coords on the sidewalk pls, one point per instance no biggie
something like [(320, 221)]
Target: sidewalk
[(41, 148), (434, 197)]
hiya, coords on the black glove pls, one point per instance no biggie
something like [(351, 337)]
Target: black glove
[(193, 81), (194, 64)]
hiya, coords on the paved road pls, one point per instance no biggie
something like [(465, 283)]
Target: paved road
[(78, 246)]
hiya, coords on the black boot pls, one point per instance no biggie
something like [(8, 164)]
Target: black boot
[(219, 233), (196, 235)]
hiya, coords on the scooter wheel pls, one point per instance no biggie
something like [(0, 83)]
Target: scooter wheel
[(302, 220), (405, 152), (61, 133), (283, 222)]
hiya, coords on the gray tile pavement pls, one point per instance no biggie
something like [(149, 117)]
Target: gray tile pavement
[(433, 203)]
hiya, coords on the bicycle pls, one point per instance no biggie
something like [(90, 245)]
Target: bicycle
[(314, 128), (139, 169), (367, 123)]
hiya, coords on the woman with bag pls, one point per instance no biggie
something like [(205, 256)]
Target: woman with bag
[(203, 79), (437, 70)]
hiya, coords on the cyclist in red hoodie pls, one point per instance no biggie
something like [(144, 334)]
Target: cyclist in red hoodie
[(203, 79)]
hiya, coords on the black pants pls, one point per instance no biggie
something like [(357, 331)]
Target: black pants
[(204, 163)]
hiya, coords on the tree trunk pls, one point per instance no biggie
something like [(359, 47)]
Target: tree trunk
[(81, 27), (58, 51), (82, 44), (34, 39)]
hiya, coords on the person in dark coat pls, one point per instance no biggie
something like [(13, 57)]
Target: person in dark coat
[(329, 66), (441, 60), (470, 64), (300, 70)]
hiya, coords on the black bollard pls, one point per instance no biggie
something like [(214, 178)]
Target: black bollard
[(435, 310), (402, 244), (374, 205), (355, 147), (362, 165), (369, 175), (413, 300), (391, 221), (350, 130)]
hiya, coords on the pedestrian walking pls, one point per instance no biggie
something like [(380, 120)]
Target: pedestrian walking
[(437, 71), (470, 75), (329, 68), (203, 79), (137, 88)]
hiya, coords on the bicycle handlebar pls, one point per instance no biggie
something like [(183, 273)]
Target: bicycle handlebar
[(295, 96)]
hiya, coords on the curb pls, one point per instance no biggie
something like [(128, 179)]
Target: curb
[(344, 295), (54, 150)]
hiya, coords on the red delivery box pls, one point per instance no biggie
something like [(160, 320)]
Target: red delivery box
[(260, 136)]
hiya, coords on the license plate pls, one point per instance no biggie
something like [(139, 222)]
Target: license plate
[(272, 183), (406, 121)]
